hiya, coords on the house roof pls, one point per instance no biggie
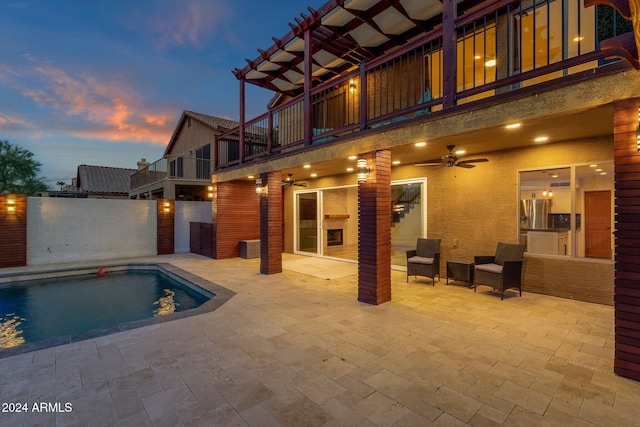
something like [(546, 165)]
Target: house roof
[(344, 33), (104, 179), (218, 124)]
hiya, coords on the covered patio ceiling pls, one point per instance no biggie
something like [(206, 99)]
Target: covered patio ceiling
[(343, 34)]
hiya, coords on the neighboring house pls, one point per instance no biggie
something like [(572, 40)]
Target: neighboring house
[(103, 182), (184, 172), (545, 91)]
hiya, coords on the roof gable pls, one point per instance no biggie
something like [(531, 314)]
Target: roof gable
[(218, 124)]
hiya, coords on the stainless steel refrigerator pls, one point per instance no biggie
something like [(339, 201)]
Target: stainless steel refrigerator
[(534, 214)]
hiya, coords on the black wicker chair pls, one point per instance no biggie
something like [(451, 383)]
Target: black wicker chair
[(424, 260), (501, 271)]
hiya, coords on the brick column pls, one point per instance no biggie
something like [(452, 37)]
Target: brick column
[(13, 227), (235, 217), (374, 229), (627, 239), (271, 244), (166, 210)]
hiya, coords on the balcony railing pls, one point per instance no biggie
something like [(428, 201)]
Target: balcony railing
[(172, 167), (500, 49)]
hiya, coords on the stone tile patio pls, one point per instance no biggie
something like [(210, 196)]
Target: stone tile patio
[(293, 350)]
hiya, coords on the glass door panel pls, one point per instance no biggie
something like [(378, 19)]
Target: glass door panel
[(307, 222), (408, 220)]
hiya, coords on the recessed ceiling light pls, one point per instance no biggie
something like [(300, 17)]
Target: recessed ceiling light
[(593, 166), (352, 157), (598, 170), (349, 169), (250, 177), (477, 57), (490, 63), (460, 152), (421, 144), (603, 173), (554, 176), (395, 162), (306, 166), (513, 126), (578, 38), (541, 139), (313, 175)]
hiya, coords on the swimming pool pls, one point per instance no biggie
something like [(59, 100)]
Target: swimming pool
[(54, 310)]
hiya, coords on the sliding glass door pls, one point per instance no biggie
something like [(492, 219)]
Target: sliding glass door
[(307, 221)]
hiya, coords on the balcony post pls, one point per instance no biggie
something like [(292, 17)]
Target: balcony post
[(269, 131), (449, 12), (363, 95), (308, 70), (242, 119)]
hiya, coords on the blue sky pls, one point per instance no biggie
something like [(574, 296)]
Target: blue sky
[(103, 82)]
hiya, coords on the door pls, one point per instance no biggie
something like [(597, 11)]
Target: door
[(307, 222), (597, 224)]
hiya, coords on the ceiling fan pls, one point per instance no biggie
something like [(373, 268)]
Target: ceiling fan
[(290, 181), (451, 159)]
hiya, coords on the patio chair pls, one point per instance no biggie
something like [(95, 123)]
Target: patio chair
[(500, 271), (424, 260)]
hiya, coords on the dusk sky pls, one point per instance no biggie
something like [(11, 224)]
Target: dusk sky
[(104, 82)]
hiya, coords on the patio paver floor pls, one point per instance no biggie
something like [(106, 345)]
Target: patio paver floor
[(293, 350)]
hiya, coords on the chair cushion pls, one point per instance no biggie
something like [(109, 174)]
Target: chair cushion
[(491, 268), (420, 260)]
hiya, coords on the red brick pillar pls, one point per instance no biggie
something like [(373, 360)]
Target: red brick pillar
[(235, 217), (627, 241), (271, 244), (13, 229), (374, 240), (166, 226)]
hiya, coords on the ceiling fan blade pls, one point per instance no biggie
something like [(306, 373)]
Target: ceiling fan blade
[(431, 163), (303, 184), (475, 160), (464, 165)]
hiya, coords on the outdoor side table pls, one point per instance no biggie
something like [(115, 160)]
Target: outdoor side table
[(460, 270)]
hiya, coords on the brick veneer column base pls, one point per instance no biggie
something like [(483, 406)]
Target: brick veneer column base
[(374, 240), (627, 242), (271, 224), (13, 228)]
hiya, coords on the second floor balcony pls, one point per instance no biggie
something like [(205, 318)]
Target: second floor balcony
[(329, 85), (173, 167)]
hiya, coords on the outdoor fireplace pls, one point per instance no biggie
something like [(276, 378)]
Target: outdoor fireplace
[(334, 237)]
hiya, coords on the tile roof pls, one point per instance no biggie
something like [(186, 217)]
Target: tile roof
[(104, 179)]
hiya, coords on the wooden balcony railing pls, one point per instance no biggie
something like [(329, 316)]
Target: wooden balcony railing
[(497, 52)]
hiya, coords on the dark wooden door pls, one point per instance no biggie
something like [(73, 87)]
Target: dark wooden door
[(597, 224)]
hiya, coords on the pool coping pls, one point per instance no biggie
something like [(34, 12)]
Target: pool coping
[(219, 296)]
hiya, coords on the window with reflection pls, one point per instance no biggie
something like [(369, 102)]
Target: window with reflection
[(568, 211)]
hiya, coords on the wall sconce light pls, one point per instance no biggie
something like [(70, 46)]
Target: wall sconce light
[(352, 86), (259, 187), (11, 205), (363, 170), (210, 192), (167, 207)]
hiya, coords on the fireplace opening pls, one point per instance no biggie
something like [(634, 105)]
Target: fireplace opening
[(334, 237)]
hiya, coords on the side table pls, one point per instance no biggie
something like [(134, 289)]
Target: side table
[(460, 270)]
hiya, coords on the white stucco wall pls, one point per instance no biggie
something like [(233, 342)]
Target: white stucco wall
[(187, 212), (70, 230)]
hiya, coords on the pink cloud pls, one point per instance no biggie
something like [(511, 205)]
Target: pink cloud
[(108, 109)]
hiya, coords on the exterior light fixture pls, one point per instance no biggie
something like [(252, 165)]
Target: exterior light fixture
[(363, 170), (490, 63), (352, 86), (210, 192), (167, 207), (11, 205), (513, 126), (259, 187)]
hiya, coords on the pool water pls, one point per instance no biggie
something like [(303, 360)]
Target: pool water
[(36, 310)]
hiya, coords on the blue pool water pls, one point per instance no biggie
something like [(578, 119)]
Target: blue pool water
[(36, 310)]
